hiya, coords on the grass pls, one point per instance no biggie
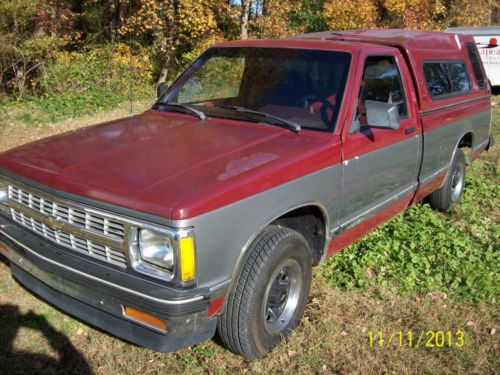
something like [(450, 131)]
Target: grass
[(419, 272), (35, 110), (422, 250)]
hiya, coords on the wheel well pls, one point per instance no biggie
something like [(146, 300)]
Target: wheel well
[(310, 222), (466, 141)]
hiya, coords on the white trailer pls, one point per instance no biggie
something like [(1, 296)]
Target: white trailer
[(487, 39)]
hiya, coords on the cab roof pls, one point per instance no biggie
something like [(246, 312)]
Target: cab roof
[(410, 43), (312, 43), (399, 38)]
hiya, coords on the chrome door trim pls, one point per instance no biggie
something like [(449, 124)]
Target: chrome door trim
[(360, 218), (433, 175), (433, 110)]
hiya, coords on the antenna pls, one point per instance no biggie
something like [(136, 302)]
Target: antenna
[(130, 59)]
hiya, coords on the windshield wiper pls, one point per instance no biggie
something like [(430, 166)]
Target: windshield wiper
[(181, 108), (270, 118)]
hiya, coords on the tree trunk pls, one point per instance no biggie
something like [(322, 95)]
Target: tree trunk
[(166, 61), (121, 13), (166, 44), (112, 19), (264, 8), (245, 12)]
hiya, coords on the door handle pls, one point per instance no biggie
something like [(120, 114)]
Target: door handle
[(409, 130)]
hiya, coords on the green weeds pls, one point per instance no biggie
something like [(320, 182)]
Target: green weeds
[(422, 250)]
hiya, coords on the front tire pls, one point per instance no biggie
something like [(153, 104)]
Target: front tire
[(270, 293), (450, 193)]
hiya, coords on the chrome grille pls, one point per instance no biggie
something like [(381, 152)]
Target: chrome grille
[(71, 241), (80, 218), (70, 225)]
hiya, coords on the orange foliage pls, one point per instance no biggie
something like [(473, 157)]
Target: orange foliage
[(342, 15), (275, 23), (416, 14), (472, 12), (193, 20)]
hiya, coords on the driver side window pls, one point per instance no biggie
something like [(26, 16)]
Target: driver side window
[(381, 83)]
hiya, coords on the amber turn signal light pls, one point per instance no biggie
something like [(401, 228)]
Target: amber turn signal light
[(145, 318), (187, 255)]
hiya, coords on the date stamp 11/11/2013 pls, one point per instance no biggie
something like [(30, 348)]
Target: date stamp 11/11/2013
[(420, 339)]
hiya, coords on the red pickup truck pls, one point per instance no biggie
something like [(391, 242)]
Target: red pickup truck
[(207, 212)]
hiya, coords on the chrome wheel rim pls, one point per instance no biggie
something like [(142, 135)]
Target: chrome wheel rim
[(282, 296), (457, 182)]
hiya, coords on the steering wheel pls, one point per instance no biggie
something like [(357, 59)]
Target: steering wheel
[(307, 100), (325, 105)]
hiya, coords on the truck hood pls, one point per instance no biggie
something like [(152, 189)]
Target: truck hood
[(170, 165)]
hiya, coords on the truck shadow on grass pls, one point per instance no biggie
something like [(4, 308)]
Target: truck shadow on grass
[(67, 359)]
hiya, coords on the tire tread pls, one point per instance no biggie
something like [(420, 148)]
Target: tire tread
[(440, 199), (231, 328)]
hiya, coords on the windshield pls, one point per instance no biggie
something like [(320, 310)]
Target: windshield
[(297, 85)]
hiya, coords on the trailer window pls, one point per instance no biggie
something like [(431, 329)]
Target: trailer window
[(476, 65), (445, 78)]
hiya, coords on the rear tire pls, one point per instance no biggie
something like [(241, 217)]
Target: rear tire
[(270, 293), (450, 193)]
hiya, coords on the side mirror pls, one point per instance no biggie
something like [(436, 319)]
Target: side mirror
[(382, 115), (161, 89)]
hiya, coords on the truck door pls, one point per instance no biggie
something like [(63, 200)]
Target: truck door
[(380, 165)]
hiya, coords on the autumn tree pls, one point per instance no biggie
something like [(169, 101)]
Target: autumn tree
[(309, 17), (353, 14), (30, 33), (169, 26), (471, 12), (100, 19), (276, 22), (415, 14)]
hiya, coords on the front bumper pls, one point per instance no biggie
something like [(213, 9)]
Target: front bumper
[(93, 293)]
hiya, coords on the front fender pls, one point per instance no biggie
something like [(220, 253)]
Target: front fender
[(223, 235)]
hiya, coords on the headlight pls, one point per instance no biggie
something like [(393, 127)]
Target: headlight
[(165, 253), (4, 195), (4, 191), (156, 248)]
